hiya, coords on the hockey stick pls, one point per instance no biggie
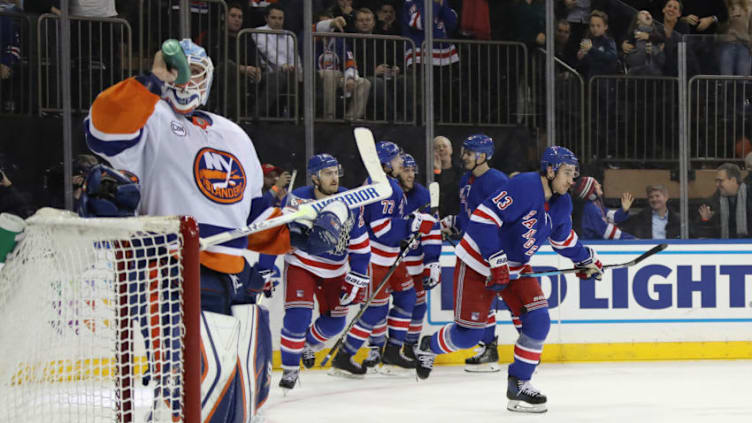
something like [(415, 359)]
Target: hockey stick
[(337, 345), (658, 248), (378, 190)]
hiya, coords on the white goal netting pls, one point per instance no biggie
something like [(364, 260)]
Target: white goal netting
[(92, 321)]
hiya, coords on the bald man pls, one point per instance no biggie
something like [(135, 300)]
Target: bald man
[(447, 174)]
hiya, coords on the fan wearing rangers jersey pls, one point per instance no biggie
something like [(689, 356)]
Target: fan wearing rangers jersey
[(190, 162), (504, 233), (476, 185), (598, 222), (388, 225), (422, 265), (326, 276)]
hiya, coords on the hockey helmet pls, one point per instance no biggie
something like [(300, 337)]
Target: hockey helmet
[(555, 156), (408, 161), (320, 162), (479, 143), (387, 151), (184, 98)]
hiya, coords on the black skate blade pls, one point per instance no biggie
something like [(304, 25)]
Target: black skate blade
[(518, 406)]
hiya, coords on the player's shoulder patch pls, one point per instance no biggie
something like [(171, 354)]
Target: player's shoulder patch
[(219, 175)]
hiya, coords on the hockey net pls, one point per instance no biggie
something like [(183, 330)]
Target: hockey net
[(99, 321)]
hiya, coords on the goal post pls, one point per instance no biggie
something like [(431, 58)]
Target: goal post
[(100, 321)]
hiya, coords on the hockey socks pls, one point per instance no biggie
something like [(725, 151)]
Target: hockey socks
[(378, 335), (416, 323), (400, 315), (489, 334), (363, 328), (293, 337), (324, 328), (529, 346), (453, 337)]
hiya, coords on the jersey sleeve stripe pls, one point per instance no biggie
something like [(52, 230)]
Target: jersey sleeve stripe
[(273, 241), (569, 242), (379, 224), (610, 215), (123, 109), (224, 263), (483, 215)]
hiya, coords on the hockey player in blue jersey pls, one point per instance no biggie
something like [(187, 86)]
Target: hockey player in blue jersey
[(422, 265), (388, 225), (333, 278), (476, 185), (595, 220), (504, 232)]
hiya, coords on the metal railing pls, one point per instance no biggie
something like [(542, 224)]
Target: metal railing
[(633, 118), (100, 55), (16, 91), (273, 96), (375, 97), (488, 86), (570, 101), (719, 117)]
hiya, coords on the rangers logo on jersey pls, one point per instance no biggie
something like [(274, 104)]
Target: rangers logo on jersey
[(219, 176)]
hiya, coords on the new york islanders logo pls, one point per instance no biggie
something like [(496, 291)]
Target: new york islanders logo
[(219, 176)]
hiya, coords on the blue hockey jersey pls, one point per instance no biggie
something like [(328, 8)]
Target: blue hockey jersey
[(387, 225), (329, 265), (444, 24), (474, 190), (601, 223), (516, 219), (429, 248)]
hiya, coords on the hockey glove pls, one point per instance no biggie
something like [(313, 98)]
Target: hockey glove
[(354, 282), (449, 226), (431, 275), (499, 278), (270, 284), (422, 222), (591, 267)]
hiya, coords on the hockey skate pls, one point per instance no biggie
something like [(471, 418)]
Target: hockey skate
[(394, 363), (425, 357), (523, 397), (308, 357), (409, 350), (289, 380), (374, 357), (344, 366), (485, 361)]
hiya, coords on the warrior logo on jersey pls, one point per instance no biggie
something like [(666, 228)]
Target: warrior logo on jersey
[(219, 176)]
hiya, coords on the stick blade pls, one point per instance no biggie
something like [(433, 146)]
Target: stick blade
[(433, 191), (367, 148)]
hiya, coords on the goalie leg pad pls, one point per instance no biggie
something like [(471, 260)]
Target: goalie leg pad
[(221, 388), (254, 355)]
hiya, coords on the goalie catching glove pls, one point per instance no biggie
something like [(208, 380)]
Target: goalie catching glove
[(499, 277), (591, 267), (108, 193), (324, 234), (431, 275), (354, 282)]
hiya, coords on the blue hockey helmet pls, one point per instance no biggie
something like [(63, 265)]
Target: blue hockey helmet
[(322, 161), (408, 161), (187, 97), (555, 156), (479, 143), (387, 151)]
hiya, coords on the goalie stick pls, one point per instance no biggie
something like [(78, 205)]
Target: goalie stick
[(658, 248), (434, 193), (378, 190)]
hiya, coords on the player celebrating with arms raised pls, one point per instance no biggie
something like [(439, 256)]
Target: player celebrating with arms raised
[(503, 234), (326, 276)]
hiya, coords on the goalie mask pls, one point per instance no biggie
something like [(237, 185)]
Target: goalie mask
[(187, 97)]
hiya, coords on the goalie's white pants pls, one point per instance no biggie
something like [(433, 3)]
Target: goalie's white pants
[(235, 364)]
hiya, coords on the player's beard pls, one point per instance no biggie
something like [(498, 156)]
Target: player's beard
[(326, 191)]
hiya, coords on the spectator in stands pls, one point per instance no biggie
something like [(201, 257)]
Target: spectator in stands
[(591, 218), (729, 212), (259, 90), (748, 168), (447, 173), (387, 20), (528, 19), (704, 18), (276, 182), (277, 50), (643, 47), (657, 221), (336, 68), (42, 6), (345, 9), (673, 30), (377, 61), (577, 13), (735, 40), (562, 47), (597, 53), (10, 46), (445, 59), (12, 200)]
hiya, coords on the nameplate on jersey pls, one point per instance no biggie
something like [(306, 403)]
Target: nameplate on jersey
[(219, 176)]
